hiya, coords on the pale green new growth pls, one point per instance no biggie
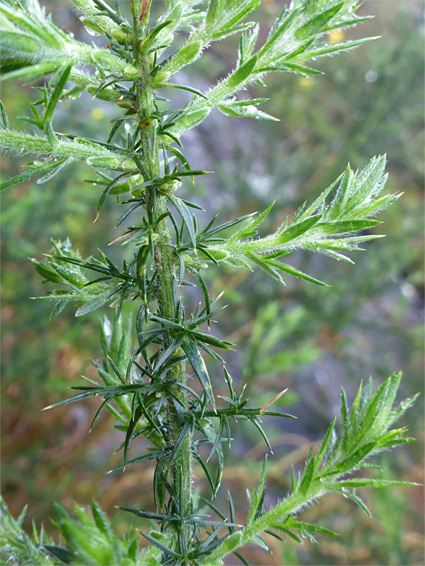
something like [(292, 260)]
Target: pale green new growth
[(347, 446), (77, 149), (145, 386), (291, 42), (32, 46), (100, 22), (326, 228), (17, 545)]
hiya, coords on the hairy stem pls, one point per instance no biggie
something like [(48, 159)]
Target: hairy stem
[(156, 205)]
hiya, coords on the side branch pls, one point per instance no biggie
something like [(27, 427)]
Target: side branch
[(78, 150)]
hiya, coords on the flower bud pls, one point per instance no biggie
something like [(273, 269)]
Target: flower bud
[(128, 165), (131, 72), (161, 77), (107, 162), (92, 26), (105, 59), (218, 255), (119, 35)]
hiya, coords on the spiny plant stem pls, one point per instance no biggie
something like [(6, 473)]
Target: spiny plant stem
[(149, 385), (156, 206)]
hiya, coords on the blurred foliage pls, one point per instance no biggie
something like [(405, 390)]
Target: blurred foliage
[(370, 101)]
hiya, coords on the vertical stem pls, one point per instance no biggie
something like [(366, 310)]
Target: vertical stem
[(156, 205)]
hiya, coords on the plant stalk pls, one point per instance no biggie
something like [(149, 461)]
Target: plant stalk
[(166, 292)]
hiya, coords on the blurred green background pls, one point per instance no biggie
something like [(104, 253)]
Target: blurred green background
[(370, 101)]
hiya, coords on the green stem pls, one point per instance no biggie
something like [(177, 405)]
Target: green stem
[(27, 143), (249, 532), (156, 205)]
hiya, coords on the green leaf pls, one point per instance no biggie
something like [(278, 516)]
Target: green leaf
[(99, 518), (47, 272), (4, 117), (296, 230), (238, 109), (205, 338), (149, 456), (325, 444), (33, 171), (54, 99), (225, 16), (287, 531), (63, 554), (264, 265), (329, 48), (247, 44), (182, 435), (317, 23), (280, 27), (256, 422), (186, 216), (242, 74), (137, 412), (258, 494), (351, 495), (364, 482), (294, 272), (307, 477), (214, 8), (183, 87), (197, 362), (310, 527), (79, 397), (299, 69), (217, 440), (92, 304), (33, 72), (183, 57), (167, 551), (345, 226)]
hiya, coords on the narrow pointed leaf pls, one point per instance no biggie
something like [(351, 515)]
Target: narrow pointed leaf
[(196, 361)]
